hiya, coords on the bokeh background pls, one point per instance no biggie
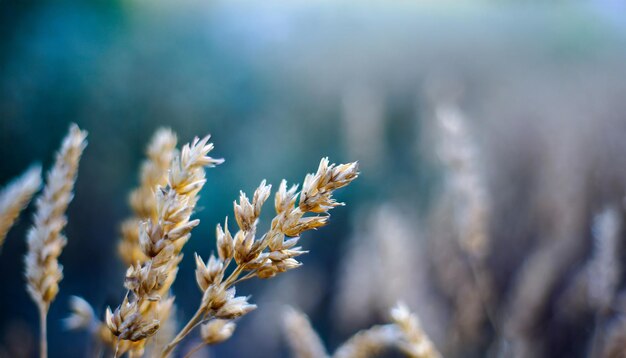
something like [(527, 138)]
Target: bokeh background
[(539, 90)]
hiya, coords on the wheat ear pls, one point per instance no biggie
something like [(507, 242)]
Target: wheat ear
[(15, 196), (404, 333), (301, 337), (153, 173), (45, 240), (161, 240), (368, 343), (413, 340), (250, 255)]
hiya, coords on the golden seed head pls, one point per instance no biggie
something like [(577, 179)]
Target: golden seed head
[(414, 342), (161, 238), (153, 174), (284, 200), (244, 212), (211, 273), (235, 307), (15, 196), (243, 247), (225, 243), (127, 322), (45, 240), (217, 331), (316, 196), (301, 337), (215, 297)]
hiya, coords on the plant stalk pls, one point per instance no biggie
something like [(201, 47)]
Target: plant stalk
[(193, 322), (43, 332)]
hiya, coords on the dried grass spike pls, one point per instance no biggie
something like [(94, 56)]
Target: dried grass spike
[(217, 331), (301, 337), (250, 255), (368, 343), (154, 173), (161, 239), (45, 240), (415, 343), (15, 196)]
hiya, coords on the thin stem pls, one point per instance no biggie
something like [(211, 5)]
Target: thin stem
[(480, 279), (193, 322), (117, 348), (43, 332), (194, 350), (198, 316), (233, 277), (202, 321), (248, 276), (597, 340)]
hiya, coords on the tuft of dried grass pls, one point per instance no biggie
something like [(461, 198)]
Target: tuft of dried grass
[(143, 321), (45, 239), (15, 197), (161, 239), (272, 254)]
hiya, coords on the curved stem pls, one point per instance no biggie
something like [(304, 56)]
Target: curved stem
[(248, 276), (193, 322), (198, 316), (43, 335)]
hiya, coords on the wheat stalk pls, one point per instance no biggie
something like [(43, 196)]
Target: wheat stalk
[(45, 240), (250, 255), (161, 240), (15, 197)]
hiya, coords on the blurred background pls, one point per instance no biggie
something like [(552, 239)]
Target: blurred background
[(491, 138)]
